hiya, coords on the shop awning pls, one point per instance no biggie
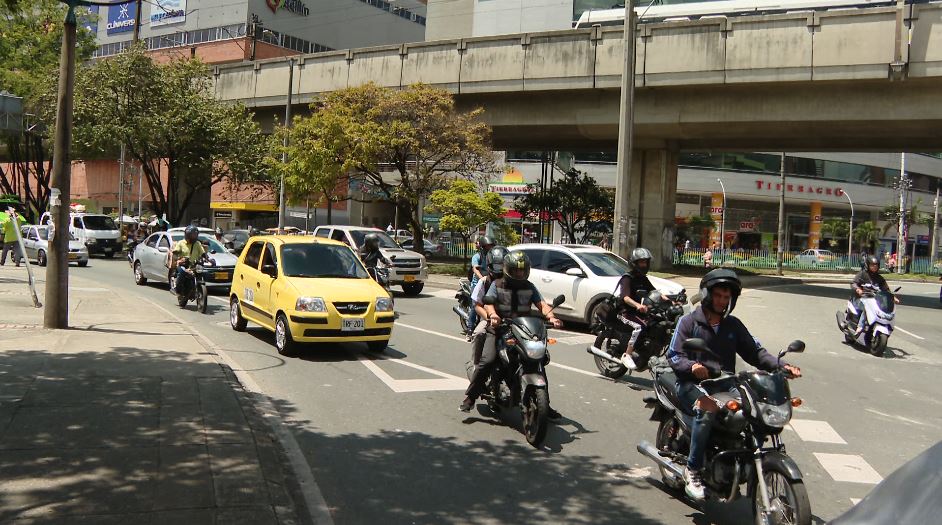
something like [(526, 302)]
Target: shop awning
[(245, 206)]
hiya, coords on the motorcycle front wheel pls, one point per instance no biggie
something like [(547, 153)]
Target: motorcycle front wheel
[(606, 367), (788, 500), (878, 344), (535, 415)]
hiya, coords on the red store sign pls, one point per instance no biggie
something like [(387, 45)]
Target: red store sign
[(799, 188)]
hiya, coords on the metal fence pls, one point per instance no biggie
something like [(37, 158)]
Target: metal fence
[(799, 261)]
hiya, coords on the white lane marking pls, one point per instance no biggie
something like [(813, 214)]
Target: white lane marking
[(854, 501), (447, 336), (898, 418), (80, 289), (222, 300), (816, 431), (907, 332), (399, 386), (848, 467), (576, 340), (463, 340), (443, 294)]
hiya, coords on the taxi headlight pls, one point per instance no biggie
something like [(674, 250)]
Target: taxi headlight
[(310, 304), (776, 416), (384, 304)]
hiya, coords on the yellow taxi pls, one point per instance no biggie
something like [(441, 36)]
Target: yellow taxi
[(308, 290)]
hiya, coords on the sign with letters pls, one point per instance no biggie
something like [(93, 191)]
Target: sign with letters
[(121, 18), (166, 12)]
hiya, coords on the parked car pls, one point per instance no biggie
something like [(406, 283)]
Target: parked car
[(408, 268), (98, 233), (150, 259), (814, 257), (430, 247), (36, 243), (309, 289), (584, 274)]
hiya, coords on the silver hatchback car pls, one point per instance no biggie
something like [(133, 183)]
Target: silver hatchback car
[(150, 260), (36, 243)]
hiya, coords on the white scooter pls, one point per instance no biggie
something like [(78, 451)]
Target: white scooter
[(872, 325)]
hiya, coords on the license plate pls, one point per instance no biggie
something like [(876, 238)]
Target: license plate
[(108, 250), (408, 278), (221, 276), (73, 256), (352, 325)]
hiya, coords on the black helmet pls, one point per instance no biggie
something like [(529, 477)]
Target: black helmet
[(872, 259), (640, 254), (191, 232), (516, 267), (495, 261), (717, 277), (485, 243), (371, 241)]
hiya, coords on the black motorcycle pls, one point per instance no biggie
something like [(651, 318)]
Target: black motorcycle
[(464, 306), (613, 331), (193, 283), (754, 408), (519, 378)]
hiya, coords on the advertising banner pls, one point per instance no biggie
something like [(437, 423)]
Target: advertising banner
[(716, 213), (121, 18), (166, 12), (814, 227)]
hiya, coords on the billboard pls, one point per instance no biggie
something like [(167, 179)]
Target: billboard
[(166, 12), (121, 18)]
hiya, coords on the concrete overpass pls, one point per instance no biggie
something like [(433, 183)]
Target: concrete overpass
[(846, 80)]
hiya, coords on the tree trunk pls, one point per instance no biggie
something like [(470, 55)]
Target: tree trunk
[(330, 210)]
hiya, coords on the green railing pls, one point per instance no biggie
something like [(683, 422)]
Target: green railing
[(764, 259)]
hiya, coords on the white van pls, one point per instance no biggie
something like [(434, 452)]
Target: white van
[(98, 233)]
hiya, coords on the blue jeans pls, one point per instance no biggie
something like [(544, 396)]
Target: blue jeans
[(689, 393), (473, 313)]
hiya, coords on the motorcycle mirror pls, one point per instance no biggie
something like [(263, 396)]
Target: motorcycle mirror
[(489, 300), (696, 298), (796, 347), (212, 251), (898, 288), (560, 299)]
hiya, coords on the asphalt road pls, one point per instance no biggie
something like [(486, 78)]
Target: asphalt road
[(386, 443)]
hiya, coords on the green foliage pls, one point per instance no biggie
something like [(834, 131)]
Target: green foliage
[(171, 123), (695, 228), (574, 200), (463, 209), (866, 233)]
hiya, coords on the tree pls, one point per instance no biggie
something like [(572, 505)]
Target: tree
[(573, 200), (171, 124), (30, 43), (865, 234), (463, 209), (837, 228), (695, 228), (417, 133)]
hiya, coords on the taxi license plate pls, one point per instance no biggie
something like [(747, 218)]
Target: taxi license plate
[(352, 325), (221, 276), (408, 278), (73, 256)]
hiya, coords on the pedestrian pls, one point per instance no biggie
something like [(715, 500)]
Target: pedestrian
[(708, 258), (13, 222), (863, 259), (389, 229), (891, 263)]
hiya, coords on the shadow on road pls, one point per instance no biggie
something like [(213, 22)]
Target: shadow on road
[(843, 293)]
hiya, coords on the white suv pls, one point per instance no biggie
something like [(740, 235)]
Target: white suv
[(584, 274), (408, 268)]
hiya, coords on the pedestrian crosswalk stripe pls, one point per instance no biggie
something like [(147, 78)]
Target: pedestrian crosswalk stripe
[(816, 431), (848, 467)]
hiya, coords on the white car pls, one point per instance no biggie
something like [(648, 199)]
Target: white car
[(36, 243), (584, 274), (815, 257)]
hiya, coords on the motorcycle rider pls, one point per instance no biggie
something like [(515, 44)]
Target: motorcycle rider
[(632, 288), (495, 268), (514, 295), (478, 272), (187, 251), (370, 254), (870, 275), (725, 336)]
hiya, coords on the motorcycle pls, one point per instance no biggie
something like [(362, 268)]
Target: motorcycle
[(754, 406), (872, 325), (613, 331), (519, 378), (130, 246), (464, 306), (195, 285)]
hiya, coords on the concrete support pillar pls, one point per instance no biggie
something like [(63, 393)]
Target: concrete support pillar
[(657, 202), (814, 225)]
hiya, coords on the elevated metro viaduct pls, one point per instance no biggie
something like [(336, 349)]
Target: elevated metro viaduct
[(845, 80)]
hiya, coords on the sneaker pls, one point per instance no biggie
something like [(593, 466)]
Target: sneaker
[(553, 415), (693, 485), (466, 405), (628, 362)]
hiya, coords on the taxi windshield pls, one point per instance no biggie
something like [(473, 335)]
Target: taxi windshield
[(321, 261)]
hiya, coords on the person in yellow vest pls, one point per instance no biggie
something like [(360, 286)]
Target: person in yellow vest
[(10, 226)]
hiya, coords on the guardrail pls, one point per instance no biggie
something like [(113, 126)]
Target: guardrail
[(765, 259)]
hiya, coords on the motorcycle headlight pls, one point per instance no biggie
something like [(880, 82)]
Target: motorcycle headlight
[(310, 304), (535, 349), (776, 416), (384, 304)]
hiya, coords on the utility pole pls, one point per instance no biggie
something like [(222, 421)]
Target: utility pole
[(624, 223), (121, 174), (256, 27), (901, 232), (781, 217), (722, 224), (140, 190), (284, 157), (56, 313), (850, 231), (137, 23), (935, 227)]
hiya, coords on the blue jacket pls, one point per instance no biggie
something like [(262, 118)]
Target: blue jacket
[(732, 338)]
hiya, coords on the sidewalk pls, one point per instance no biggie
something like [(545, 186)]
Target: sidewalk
[(126, 418)]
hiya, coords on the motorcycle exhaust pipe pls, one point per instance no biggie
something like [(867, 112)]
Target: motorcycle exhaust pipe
[(461, 313), (596, 352), (646, 449)]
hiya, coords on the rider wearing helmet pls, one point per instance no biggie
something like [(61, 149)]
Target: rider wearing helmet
[(187, 252), (632, 288), (513, 295), (869, 276), (478, 272), (370, 254), (725, 336), (495, 268)]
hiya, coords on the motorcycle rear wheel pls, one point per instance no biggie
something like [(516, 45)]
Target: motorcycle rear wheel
[(201, 299), (788, 499), (662, 442), (535, 415), (606, 367)]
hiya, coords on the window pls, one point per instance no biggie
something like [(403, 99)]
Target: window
[(32, 235), (385, 241), (322, 232), (536, 258), (321, 260), (253, 254), (152, 240), (77, 222), (99, 222), (269, 257), (164, 242), (604, 264), (559, 262), (339, 235)]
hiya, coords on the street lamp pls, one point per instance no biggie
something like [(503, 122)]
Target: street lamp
[(723, 221), (284, 156), (850, 233)]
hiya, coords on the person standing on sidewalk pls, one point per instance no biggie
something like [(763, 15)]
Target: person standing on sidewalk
[(13, 222)]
